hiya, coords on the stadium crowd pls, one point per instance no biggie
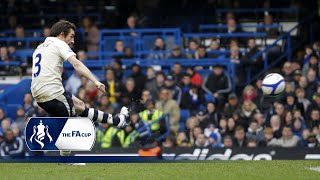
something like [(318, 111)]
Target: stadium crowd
[(203, 110), (230, 119)]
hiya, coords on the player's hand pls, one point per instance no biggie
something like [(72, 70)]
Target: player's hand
[(101, 87)]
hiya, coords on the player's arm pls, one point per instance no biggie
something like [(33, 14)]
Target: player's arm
[(84, 71)]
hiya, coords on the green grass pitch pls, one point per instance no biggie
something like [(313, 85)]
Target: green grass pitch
[(188, 170)]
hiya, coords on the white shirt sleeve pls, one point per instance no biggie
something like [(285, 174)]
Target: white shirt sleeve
[(65, 51)]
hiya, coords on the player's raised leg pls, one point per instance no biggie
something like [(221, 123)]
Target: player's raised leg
[(99, 116)]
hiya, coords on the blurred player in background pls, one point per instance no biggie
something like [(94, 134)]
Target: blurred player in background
[(47, 88)]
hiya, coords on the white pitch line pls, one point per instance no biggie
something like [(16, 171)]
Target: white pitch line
[(315, 169)]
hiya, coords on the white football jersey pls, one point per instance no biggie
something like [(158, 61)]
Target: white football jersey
[(47, 64)]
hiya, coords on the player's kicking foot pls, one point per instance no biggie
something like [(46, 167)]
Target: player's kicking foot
[(124, 113)]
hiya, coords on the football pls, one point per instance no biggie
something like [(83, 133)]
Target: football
[(273, 84)]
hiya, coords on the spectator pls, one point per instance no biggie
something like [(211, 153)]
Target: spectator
[(175, 90), (250, 93), (182, 140), (191, 124), (177, 72), (119, 49), (160, 46), (151, 115), (214, 48), (169, 106), (301, 98), (192, 48), (312, 141), (227, 142), (232, 105), (275, 124), (129, 95), (158, 84), (297, 128), (105, 105), (169, 142), (151, 80), (12, 146), (253, 50), (292, 103), (297, 74), (316, 48), (287, 139), (255, 64), (2, 115), (28, 103), (4, 55), (287, 71), (240, 137), (313, 63), (73, 83), (246, 113), (13, 56), (268, 21), (308, 53), (117, 69), (108, 136), (201, 53), (268, 136), (202, 119), (131, 24), (235, 55), (279, 109), (217, 84), (214, 141), (287, 118), (81, 54), (192, 99), (138, 77), (201, 141), (312, 83), (176, 53), (252, 143), (232, 27), (223, 128), (259, 117), (231, 126), (91, 36), (314, 119), (113, 86), (186, 83), (128, 53), (255, 132), (146, 95), (196, 78), (5, 124), (46, 31), (213, 115), (196, 131)]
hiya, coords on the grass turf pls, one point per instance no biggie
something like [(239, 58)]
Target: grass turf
[(188, 170)]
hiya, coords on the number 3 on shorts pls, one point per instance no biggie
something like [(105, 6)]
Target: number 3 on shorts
[(37, 64)]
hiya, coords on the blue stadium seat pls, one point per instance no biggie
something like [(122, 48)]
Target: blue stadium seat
[(184, 115), (209, 97)]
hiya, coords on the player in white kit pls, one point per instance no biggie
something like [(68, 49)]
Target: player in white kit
[(47, 88)]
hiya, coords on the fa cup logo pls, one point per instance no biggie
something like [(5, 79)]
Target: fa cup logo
[(39, 133)]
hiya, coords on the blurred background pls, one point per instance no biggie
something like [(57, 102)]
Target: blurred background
[(190, 71)]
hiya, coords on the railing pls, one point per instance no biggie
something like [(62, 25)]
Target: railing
[(256, 13), (204, 27), (286, 50), (137, 39)]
